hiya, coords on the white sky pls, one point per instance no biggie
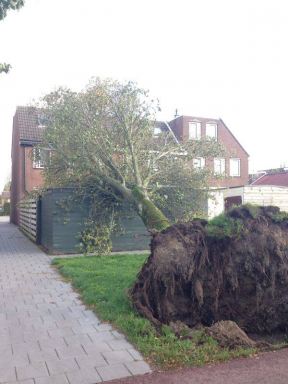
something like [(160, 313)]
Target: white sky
[(209, 58)]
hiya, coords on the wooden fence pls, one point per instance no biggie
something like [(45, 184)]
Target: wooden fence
[(29, 221)]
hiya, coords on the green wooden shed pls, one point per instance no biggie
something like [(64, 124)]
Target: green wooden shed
[(61, 224)]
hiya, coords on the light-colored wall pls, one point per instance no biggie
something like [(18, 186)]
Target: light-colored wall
[(263, 195), (215, 204), (267, 195)]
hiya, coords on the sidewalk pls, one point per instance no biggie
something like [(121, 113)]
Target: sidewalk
[(46, 334)]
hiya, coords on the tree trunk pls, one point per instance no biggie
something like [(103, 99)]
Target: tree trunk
[(152, 217)]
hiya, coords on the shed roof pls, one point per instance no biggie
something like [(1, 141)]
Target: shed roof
[(279, 179)]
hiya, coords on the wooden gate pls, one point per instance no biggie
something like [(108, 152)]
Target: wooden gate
[(29, 219)]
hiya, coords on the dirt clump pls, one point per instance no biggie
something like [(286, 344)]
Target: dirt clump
[(232, 268), (229, 335)]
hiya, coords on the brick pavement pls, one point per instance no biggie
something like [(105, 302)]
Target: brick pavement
[(46, 333)]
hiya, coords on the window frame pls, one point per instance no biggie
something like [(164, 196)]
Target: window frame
[(239, 167), (157, 131), (38, 163), (198, 133), (222, 170), (216, 130), (201, 164)]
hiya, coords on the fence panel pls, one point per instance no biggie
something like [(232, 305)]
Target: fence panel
[(29, 221)]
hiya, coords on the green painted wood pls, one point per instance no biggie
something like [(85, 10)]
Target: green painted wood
[(62, 223)]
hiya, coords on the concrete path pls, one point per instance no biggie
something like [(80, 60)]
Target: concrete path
[(46, 334)]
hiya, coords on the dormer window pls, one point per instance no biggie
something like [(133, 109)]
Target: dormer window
[(194, 132), (211, 130), (41, 120)]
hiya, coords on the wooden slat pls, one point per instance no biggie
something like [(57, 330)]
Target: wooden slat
[(28, 218)]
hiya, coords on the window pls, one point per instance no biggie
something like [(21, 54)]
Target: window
[(211, 130), (40, 157), (234, 167), (42, 120), (199, 162), (219, 166), (157, 131), (194, 130)]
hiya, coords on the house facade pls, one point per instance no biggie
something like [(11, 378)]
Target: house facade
[(26, 166), (233, 167)]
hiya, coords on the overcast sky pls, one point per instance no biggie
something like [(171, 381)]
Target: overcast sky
[(208, 58)]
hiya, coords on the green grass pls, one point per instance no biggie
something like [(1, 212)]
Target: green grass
[(104, 283)]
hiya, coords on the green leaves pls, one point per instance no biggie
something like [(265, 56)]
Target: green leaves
[(5, 67), (6, 5), (103, 139)]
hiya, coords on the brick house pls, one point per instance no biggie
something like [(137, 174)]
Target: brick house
[(26, 166), (28, 126), (233, 167)]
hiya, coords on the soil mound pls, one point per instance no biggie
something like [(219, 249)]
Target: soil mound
[(232, 268), (229, 335)]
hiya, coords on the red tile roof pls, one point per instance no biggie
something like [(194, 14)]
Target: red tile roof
[(29, 128), (280, 179)]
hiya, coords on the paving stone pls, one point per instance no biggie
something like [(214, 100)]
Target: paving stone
[(60, 332), (138, 367), (98, 347), (104, 327), (118, 335), (46, 354), (30, 381), (111, 372), (56, 367), (87, 376), (91, 361), (114, 357), (135, 354), (70, 351), (118, 345), (101, 336), (7, 373), (77, 339), (55, 379), (46, 333), (31, 371)]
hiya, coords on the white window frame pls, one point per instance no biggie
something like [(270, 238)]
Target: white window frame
[(194, 130), (219, 166), (238, 172), (38, 162), (198, 163), (214, 135), (157, 131)]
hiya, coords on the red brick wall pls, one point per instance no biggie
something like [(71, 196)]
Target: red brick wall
[(180, 127), (24, 177), (33, 176)]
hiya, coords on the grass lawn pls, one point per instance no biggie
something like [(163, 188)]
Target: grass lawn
[(104, 282)]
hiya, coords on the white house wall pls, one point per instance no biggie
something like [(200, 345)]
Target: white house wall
[(215, 204), (267, 195)]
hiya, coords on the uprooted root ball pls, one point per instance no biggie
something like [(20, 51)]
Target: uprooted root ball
[(234, 268)]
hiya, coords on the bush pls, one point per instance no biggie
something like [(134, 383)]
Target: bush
[(6, 210)]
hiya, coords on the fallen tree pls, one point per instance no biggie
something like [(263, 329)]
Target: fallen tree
[(232, 268)]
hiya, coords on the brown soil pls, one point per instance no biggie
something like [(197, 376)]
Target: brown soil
[(195, 277)]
